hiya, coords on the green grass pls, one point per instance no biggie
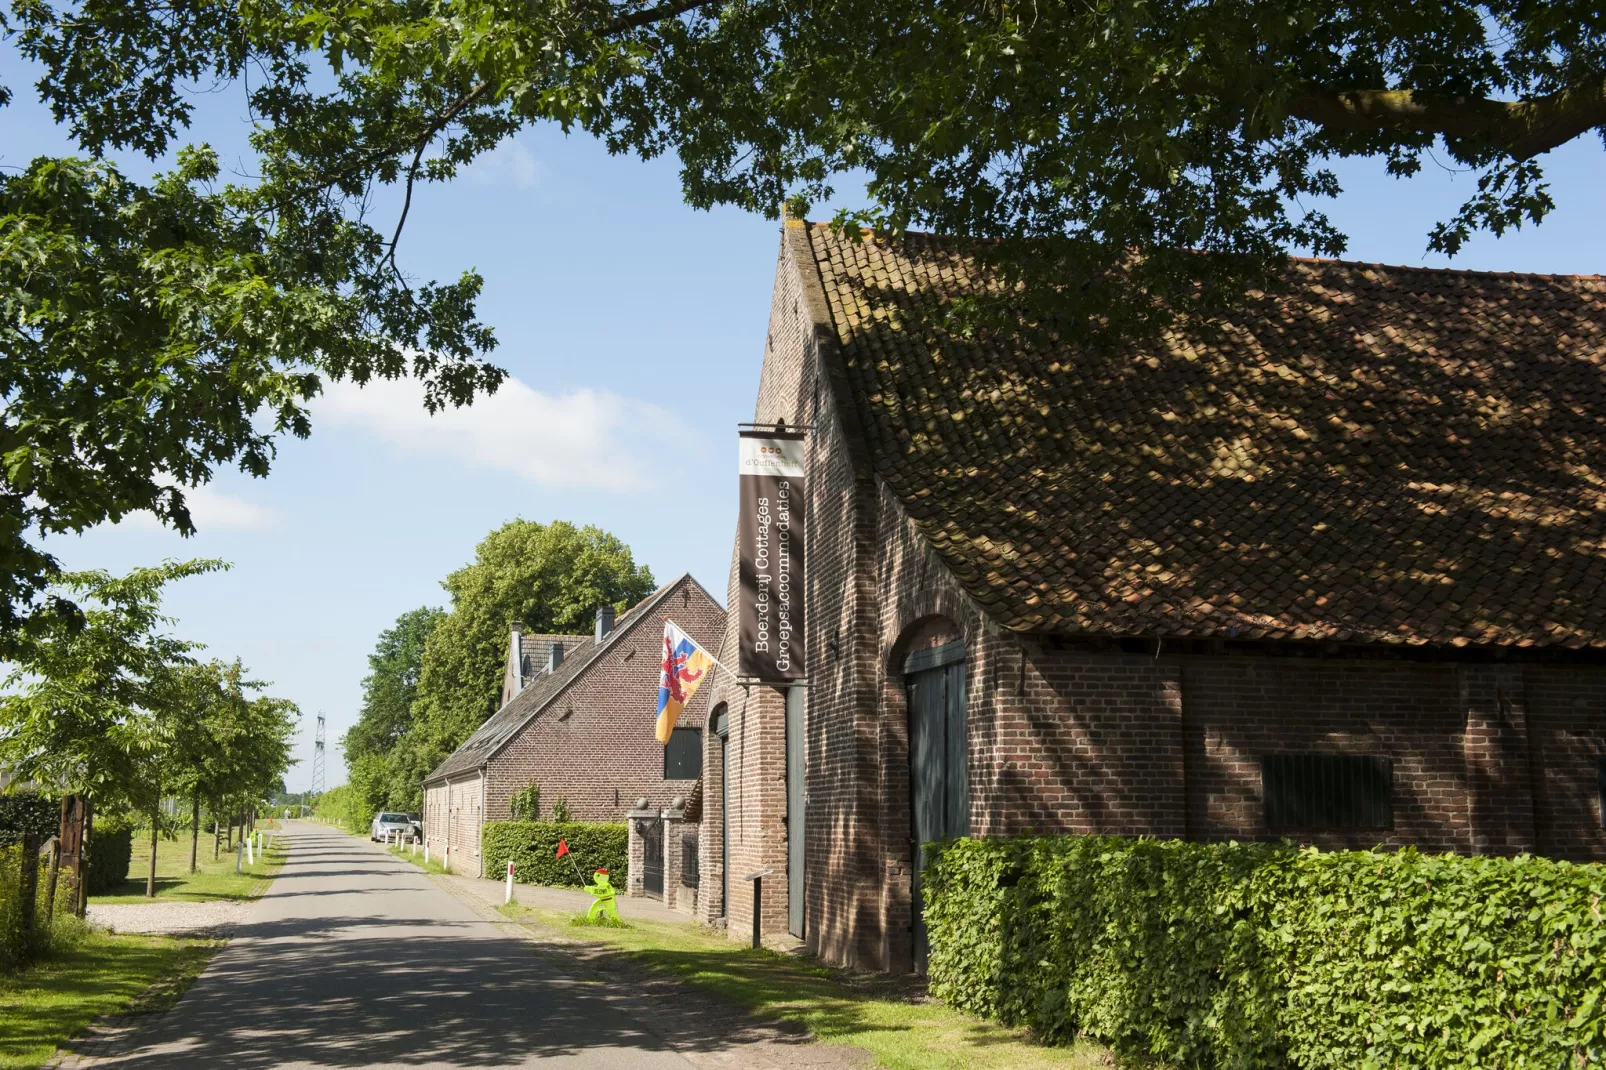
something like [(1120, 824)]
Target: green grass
[(432, 866), (90, 975), (893, 1020), (216, 880)]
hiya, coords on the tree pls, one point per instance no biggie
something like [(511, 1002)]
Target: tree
[(151, 333), (548, 577), (1102, 144), (82, 710), (389, 691)]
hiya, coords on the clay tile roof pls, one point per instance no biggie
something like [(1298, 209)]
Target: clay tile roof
[(1377, 454)]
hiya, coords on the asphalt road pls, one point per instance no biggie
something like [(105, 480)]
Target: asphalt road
[(356, 958)]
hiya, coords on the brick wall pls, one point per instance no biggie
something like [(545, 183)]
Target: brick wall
[(1567, 728), (593, 745), (452, 818)]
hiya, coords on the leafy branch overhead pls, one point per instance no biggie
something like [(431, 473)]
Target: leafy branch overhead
[(1101, 146)]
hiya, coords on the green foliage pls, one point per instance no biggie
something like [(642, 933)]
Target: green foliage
[(551, 577), (1078, 134), (111, 847), (345, 807), (525, 804), (533, 846), (560, 809), (28, 812), (81, 711), (1251, 956), (384, 768), (228, 307)]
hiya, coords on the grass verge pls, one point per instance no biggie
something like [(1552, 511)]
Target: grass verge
[(898, 1024), (215, 880), (91, 975), (432, 866)]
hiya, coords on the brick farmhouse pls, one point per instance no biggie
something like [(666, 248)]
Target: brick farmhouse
[(1335, 572), (579, 723)]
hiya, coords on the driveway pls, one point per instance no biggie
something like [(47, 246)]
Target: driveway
[(356, 958)]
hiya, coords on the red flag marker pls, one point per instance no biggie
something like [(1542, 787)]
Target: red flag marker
[(563, 849)]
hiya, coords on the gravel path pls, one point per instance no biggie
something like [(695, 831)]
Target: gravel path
[(173, 919)]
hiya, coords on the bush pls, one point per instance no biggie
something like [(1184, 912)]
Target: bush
[(1254, 955), (111, 847), (20, 940), (533, 847), (25, 813)]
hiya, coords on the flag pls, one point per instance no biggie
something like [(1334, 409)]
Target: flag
[(685, 666), (563, 849)]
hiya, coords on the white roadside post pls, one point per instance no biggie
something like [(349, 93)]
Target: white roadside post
[(509, 897), (426, 850)]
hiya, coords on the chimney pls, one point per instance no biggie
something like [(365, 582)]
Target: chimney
[(554, 657), (516, 653), (604, 622)]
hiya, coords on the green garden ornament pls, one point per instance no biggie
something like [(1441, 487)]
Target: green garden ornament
[(605, 892)]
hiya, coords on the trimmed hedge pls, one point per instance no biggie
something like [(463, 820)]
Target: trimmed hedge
[(111, 848), (27, 812), (533, 847), (1256, 955)]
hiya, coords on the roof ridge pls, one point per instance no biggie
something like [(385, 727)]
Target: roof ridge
[(558, 681), (1552, 275)]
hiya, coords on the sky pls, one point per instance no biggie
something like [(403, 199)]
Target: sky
[(632, 328)]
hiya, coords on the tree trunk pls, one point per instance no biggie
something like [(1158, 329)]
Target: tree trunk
[(195, 831), (150, 874), (217, 833), (81, 907), (51, 876)]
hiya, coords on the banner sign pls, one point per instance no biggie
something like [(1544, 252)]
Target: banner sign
[(770, 556)]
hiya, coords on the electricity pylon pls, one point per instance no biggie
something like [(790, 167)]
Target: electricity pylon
[(317, 760)]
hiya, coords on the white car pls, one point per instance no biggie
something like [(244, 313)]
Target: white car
[(387, 824)]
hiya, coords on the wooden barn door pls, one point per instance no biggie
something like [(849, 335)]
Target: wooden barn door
[(934, 680)]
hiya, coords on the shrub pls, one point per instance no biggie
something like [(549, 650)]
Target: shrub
[(22, 940), (526, 803), (1255, 955), (27, 812), (532, 846), (111, 847), (560, 811)]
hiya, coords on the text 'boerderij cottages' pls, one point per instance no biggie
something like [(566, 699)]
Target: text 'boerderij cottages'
[(1336, 574), (576, 719)]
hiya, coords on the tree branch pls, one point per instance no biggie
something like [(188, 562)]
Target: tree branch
[(1522, 129), (670, 9)]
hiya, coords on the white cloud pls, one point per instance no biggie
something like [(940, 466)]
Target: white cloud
[(211, 510), (587, 438), (509, 164)]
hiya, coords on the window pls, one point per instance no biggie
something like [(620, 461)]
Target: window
[(1327, 791), (683, 754), (1601, 773)]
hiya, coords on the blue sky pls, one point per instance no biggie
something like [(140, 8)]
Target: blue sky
[(632, 328)]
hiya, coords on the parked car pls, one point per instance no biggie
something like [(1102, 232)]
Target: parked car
[(388, 823)]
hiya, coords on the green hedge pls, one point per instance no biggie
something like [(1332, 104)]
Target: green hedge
[(1253, 955), (111, 847), (533, 846), (27, 812)]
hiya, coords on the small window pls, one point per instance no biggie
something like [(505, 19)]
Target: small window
[(1327, 791), (683, 755), (1601, 773)]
